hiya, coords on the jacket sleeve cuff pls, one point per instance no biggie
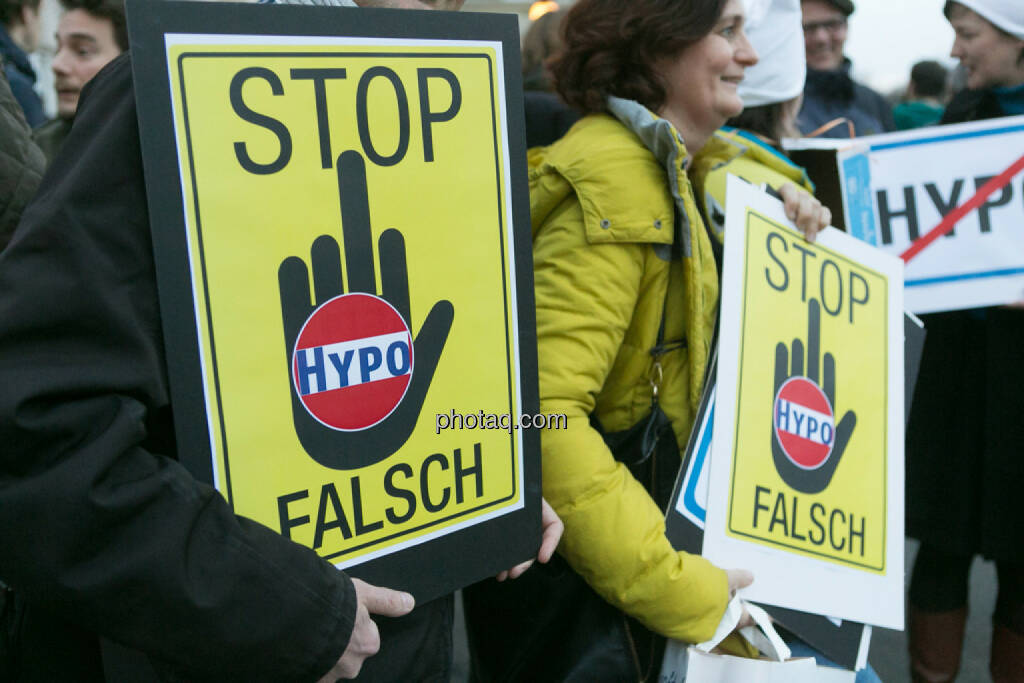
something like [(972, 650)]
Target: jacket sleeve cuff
[(705, 604), (335, 640)]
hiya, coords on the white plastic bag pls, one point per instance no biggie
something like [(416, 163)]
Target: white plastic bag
[(697, 664)]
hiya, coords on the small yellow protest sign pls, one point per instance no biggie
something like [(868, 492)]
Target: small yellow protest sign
[(351, 250), (810, 300), (808, 436)]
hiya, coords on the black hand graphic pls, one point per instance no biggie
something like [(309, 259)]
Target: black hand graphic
[(348, 450), (810, 481)]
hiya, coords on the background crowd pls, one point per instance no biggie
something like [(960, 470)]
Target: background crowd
[(636, 111)]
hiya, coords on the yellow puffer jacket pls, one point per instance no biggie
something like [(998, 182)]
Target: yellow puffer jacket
[(615, 229), (739, 153)]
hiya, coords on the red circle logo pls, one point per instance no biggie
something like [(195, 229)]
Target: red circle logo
[(804, 423), (352, 362)]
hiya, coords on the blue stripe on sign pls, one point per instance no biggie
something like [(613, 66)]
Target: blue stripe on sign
[(966, 276), (690, 495), (947, 138), (860, 204)]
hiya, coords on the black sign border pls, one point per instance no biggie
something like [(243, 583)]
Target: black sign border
[(455, 559)]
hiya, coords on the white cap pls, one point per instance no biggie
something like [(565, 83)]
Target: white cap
[(1005, 14), (776, 31)]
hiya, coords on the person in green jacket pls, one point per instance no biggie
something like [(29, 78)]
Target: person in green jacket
[(926, 94)]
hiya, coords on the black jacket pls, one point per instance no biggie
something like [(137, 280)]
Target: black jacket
[(51, 135), (102, 531), (22, 78), (972, 105), (547, 118), (829, 95), (965, 424), (21, 163)]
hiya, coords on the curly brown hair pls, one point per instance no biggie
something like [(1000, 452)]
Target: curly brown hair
[(612, 46)]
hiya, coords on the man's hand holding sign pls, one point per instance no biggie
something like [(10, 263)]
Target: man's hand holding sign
[(365, 639)]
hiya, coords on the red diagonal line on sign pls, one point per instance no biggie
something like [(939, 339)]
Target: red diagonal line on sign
[(955, 216)]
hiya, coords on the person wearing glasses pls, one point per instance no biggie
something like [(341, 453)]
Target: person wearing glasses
[(835, 105)]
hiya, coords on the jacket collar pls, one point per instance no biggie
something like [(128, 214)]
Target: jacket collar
[(833, 84), (658, 135), (747, 143), (618, 183), (666, 144)]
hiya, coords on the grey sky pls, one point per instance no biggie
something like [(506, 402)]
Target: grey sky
[(887, 37)]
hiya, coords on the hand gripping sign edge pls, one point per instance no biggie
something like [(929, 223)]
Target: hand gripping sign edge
[(788, 367), (346, 450)]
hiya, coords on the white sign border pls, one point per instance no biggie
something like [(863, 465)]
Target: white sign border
[(784, 578)]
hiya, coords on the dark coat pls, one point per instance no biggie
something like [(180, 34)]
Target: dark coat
[(51, 135), (965, 438), (829, 95), (547, 118), (22, 78), (21, 163), (102, 531)]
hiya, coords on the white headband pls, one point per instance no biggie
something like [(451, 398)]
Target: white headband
[(1005, 14), (776, 33)]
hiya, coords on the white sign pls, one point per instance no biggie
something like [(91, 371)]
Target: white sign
[(899, 186), (693, 500), (806, 484)]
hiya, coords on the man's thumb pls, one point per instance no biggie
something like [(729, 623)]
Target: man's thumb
[(383, 601)]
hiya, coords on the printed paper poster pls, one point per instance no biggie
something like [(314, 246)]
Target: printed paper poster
[(806, 485), (351, 226)]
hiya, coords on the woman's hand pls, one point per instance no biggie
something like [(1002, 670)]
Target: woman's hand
[(740, 578), (810, 216), (553, 527)]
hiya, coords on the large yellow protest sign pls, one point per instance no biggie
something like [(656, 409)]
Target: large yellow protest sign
[(351, 248), (810, 461), (806, 482)]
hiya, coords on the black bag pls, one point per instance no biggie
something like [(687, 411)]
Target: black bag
[(6, 634), (549, 625)]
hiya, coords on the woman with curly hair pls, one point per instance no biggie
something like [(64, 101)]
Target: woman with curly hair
[(627, 295)]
